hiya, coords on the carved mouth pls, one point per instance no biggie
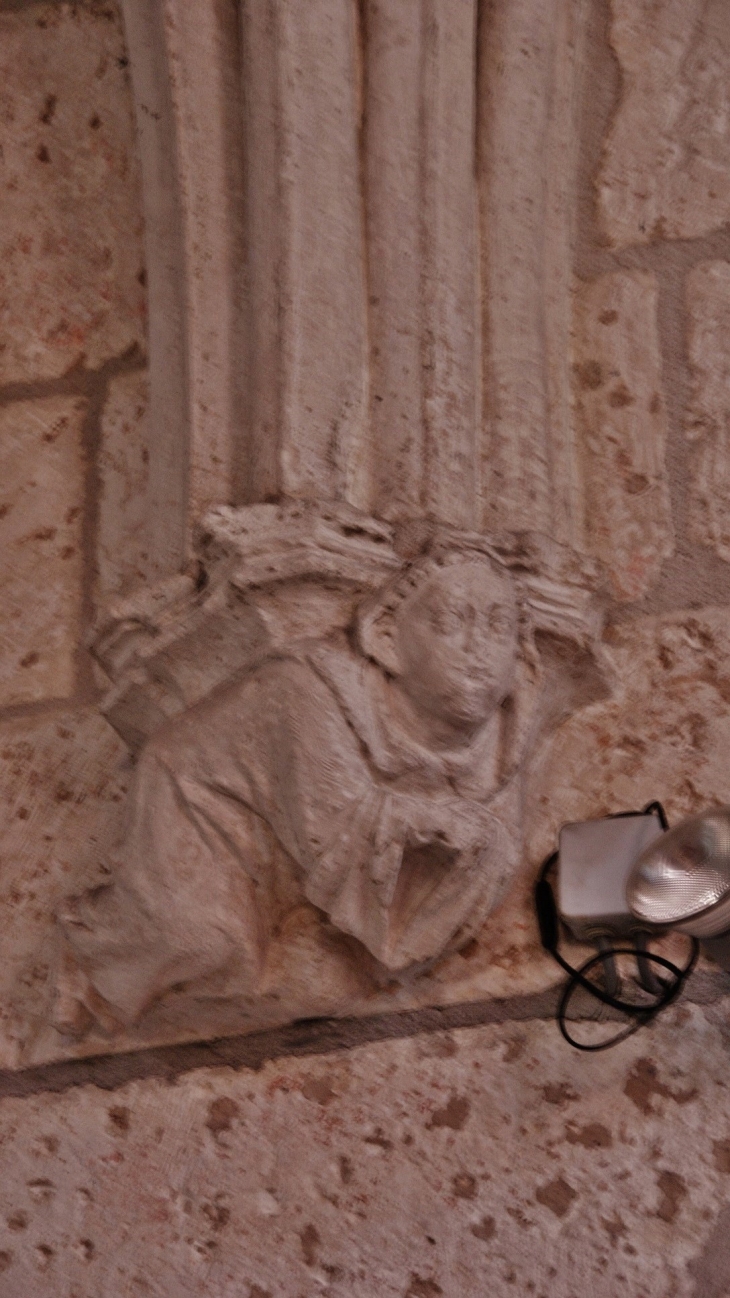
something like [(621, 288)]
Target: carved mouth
[(470, 681)]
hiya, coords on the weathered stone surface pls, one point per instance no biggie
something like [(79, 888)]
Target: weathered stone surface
[(666, 169), (70, 245), (420, 198), (41, 515), (448, 1166), (529, 61), (368, 774), (203, 50), (495, 1162), (664, 733), (708, 302), (624, 428), (306, 327), (62, 776), (123, 538)]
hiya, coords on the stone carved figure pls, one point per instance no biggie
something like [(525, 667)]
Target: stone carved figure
[(367, 781)]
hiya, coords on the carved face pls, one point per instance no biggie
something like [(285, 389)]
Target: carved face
[(457, 642)]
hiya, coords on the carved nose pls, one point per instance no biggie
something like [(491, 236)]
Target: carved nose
[(469, 629)]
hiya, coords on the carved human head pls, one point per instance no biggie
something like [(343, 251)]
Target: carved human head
[(447, 630)]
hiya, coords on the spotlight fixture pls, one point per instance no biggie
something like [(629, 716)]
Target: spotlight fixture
[(627, 879), (682, 879)]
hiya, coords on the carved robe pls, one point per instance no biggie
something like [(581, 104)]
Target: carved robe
[(297, 785)]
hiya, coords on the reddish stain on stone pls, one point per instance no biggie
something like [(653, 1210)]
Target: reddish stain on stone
[(643, 1084), (559, 1093), (613, 1226), (484, 1229), (422, 1288), (453, 1115), (589, 375), (119, 1118), (379, 1139), (620, 396), (217, 1213), (310, 1242), (220, 1115), (672, 1189), (5, 1260), (592, 1136), (49, 109), (319, 1089), (346, 1172), (464, 1185), (710, 1269), (721, 1155), (513, 1051), (557, 1195)]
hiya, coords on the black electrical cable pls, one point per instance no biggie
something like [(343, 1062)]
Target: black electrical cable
[(639, 1015), (666, 990)]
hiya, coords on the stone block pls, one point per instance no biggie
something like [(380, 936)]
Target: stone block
[(71, 279), (663, 734), (666, 166), (41, 507), (708, 302), (62, 776), (484, 1161), (122, 555), (623, 427)]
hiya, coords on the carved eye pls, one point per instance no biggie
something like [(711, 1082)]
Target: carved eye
[(499, 620), (445, 621)]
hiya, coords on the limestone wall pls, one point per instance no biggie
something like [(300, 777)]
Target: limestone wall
[(526, 325)]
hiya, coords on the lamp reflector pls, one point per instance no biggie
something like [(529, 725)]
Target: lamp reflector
[(682, 880)]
